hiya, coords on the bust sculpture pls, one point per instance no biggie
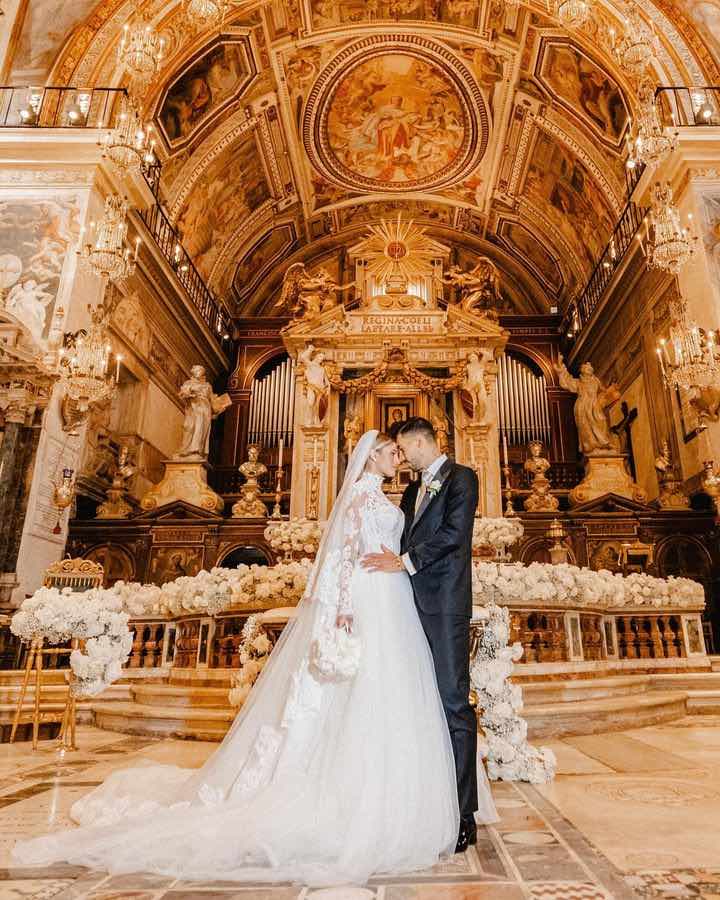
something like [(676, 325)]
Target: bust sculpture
[(250, 506)]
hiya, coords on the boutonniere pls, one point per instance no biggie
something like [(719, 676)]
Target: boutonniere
[(434, 487)]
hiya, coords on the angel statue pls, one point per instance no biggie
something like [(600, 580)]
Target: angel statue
[(590, 408), (306, 294), (476, 366), (316, 382), (479, 288)]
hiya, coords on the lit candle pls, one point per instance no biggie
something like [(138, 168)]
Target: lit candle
[(505, 453), (280, 454), (118, 359), (662, 364), (314, 451)]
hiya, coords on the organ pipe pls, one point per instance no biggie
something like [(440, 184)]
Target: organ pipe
[(522, 403), (272, 406)]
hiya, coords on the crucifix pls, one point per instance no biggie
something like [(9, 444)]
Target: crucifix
[(623, 430)]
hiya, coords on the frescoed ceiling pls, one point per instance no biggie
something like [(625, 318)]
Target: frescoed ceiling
[(299, 122)]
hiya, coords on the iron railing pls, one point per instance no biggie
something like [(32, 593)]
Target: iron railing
[(682, 107), (58, 107), (167, 240), (628, 225), (677, 107)]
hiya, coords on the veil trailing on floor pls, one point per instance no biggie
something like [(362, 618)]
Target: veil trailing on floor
[(282, 687)]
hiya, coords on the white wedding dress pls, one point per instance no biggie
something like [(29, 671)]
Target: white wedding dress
[(317, 782)]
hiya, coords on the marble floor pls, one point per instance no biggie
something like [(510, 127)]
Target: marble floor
[(630, 814)]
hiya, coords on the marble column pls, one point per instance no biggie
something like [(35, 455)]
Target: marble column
[(10, 471)]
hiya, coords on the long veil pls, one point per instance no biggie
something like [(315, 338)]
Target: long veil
[(265, 706)]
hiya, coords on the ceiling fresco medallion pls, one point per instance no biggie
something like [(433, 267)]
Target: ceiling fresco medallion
[(400, 114)]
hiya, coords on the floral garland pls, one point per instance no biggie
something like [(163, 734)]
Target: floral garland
[(217, 590), (254, 652), (95, 616), (509, 755), (565, 585), (294, 536)]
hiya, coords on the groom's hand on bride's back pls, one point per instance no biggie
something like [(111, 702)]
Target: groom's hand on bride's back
[(387, 561)]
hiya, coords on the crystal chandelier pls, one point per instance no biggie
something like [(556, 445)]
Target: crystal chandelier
[(650, 142), (573, 13), (688, 357), (104, 249), (637, 47), (671, 245), (128, 144), (203, 14), (141, 49), (84, 363)]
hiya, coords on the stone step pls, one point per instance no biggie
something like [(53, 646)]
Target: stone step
[(137, 718), (201, 677), (180, 695), (573, 690), (703, 703), (15, 676), (616, 713), (715, 663), (686, 681)]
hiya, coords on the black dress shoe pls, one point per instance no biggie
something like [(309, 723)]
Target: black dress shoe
[(466, 836)]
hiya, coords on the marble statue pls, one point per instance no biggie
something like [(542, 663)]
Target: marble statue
[(201, 407), (439, 422), (479, 288), (250, 506), (308, 294), (353, 427), (540, 499), (475, 369), (590, 415), (317, 385)]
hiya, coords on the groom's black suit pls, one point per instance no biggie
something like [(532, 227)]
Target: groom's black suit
[(438, 541)]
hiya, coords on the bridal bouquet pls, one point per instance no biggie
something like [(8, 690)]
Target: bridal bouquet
[(296, 536), (96, 617), (254, 651)]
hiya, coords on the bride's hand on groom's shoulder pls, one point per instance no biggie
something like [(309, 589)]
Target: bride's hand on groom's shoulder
[(387, 561), (345, 622)]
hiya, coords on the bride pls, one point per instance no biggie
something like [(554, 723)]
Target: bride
[(328, 775)]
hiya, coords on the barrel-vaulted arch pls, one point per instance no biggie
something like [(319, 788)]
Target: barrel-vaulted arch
[(234, 160)]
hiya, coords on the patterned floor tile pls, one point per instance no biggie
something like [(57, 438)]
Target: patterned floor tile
[(554, 890), (31, 889)]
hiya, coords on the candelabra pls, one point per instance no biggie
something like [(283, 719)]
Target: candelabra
[(141, 50), (104, 249), (637, 47), (650, 142), (508, 492), (573, 13), (671, 244), (276, 514), (128, 144)]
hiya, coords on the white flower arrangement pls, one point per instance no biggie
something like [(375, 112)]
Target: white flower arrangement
[(499, 533), (564, 585), (295, 536), (509, 755), (254, 651), (95, 616)]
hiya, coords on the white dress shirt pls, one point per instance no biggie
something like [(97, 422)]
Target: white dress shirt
[(427, 476)]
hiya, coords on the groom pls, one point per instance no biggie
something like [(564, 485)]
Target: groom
[(439, 509)]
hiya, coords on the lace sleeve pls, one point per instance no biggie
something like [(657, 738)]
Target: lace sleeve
[(350, 552)]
